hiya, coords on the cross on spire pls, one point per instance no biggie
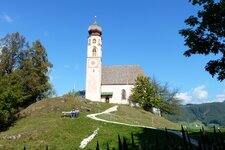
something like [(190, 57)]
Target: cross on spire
[(95, 18)]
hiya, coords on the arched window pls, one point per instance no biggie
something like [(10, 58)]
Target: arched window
[(123, 94), (94, 41), (94, 52)]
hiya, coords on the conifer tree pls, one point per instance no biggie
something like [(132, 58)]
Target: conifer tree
[(34, 71), (23, 74), (12, 45)]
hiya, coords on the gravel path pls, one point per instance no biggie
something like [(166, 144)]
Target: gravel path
[(112, 109), (85, 141)]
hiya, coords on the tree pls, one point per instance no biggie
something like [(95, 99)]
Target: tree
[(72, 93), (12, 45), (148, 93), (144, 93), (11, 95), (23, 74), (34, 71), (169, 105), (206, 35)]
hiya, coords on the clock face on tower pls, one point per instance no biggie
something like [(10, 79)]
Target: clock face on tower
[(92, 63)]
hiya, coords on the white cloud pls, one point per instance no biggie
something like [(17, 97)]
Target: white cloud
[(6, 18), (184, 97), (196, 96), (200, 93), (220, 97)]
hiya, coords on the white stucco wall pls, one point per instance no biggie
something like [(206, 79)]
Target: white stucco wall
[(94, 71), (93, 83), (117, 93), (97, 45)]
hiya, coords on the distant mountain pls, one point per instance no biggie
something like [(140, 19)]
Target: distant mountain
[(207, 113)]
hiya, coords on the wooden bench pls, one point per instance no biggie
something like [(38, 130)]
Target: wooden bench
[(69, 113)]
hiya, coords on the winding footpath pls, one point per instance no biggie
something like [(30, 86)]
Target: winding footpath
[(114, 108)]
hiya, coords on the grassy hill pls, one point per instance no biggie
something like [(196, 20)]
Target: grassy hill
[(138, 116), (208, 114), (41, 123)]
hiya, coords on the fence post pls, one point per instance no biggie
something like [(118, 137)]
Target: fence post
[(125, 147), (119, 143), (97, 147), (167, 137), (132, 138), (217, 138), (221, 139), (189, 141), (202, 137), (184, 138)]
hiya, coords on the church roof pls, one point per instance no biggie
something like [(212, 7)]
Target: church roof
[(117, 75)]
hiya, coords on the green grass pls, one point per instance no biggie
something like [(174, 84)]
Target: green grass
[(195, 134), (194, 131), (194, 126), (41, 124), (138, 116)]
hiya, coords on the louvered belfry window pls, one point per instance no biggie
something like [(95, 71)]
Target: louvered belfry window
[(94, 52)]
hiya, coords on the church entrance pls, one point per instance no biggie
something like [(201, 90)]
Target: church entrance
[(106, 96), (107, 99)]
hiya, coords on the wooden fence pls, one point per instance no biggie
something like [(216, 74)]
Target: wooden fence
[(215, 142)]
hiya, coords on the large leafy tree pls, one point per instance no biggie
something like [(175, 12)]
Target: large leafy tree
[(23, 74), (148, 93), (206, 34), (11, 96), (144, 93)]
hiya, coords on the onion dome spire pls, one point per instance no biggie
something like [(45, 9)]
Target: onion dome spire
[(95, 29)]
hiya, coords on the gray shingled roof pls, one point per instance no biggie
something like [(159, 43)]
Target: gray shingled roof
[(120, 74)]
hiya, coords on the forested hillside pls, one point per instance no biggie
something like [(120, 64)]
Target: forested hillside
[(208, 113)]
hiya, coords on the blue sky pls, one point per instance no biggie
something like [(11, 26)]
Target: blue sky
[(141, 32)]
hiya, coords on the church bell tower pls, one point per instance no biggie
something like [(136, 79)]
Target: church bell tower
[(94, 63)]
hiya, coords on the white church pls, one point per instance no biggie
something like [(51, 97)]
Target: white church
[(110, 84)]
